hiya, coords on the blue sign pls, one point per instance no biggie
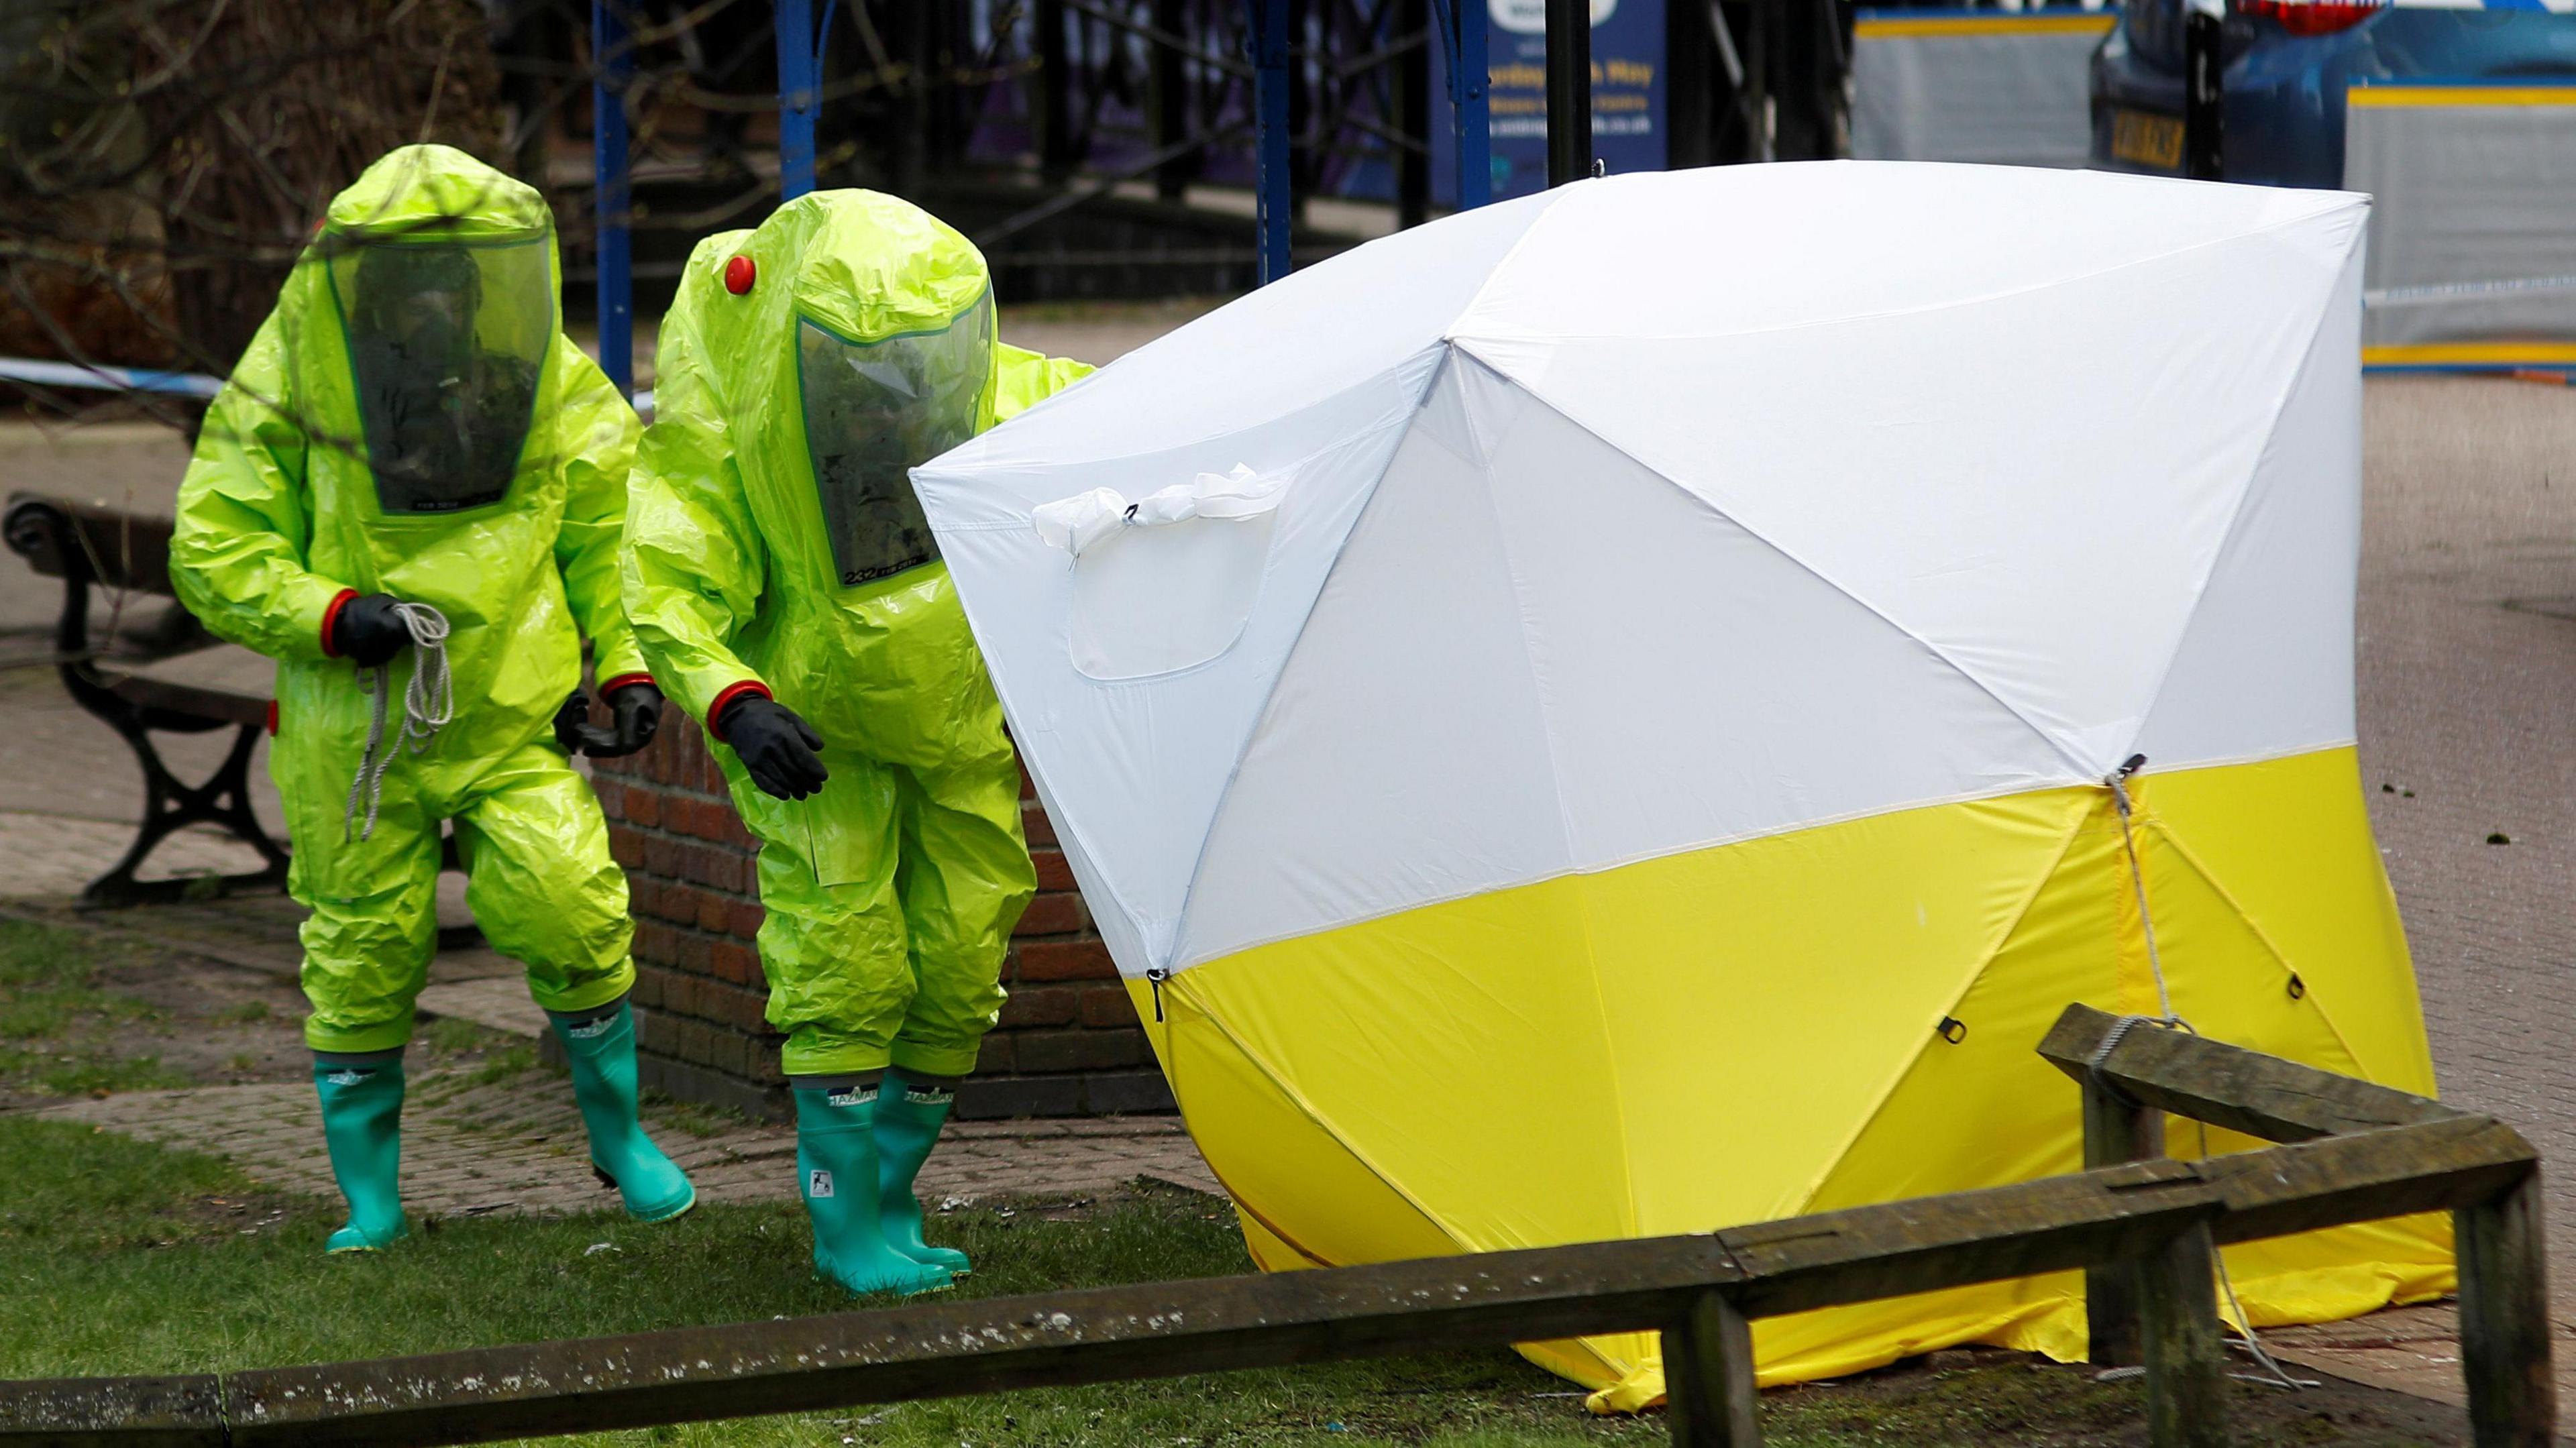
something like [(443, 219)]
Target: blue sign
[(1627, 95)]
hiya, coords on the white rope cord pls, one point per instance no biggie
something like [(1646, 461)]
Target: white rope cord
[(429, 702), (2118, 780), (2272, 1372)]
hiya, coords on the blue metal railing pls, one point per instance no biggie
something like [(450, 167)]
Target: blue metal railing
[(1462, 40), (613, 56), (798, 84)]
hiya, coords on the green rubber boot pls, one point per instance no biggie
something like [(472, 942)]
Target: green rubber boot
[(836, 1161), (602, 1053), (362, 1125), (909, 1115)]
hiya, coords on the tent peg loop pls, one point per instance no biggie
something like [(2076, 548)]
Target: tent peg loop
[(2118, 780), (1952, 1029)]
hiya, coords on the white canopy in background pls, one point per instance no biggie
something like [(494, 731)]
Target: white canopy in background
[(1664, 510)]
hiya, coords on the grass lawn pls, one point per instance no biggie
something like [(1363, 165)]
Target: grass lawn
[(119, 1257), (56, 1020)]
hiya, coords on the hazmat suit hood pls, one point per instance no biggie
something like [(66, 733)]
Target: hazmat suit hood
[(411, 420), (442, 278), (805, 367), (894, 366)]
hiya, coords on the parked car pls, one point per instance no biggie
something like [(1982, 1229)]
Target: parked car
[(2288, 63)]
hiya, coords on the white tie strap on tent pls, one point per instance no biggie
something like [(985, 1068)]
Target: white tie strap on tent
[(1638, 762), (1154, 602)]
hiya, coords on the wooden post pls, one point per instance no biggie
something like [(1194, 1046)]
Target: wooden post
[(1708, 1377), (2504, 1320), (2116, 1130), (2177, 1289)]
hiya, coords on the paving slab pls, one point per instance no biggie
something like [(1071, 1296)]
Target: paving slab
[(48, 856), (2413, 1350), (494, 1002), (516, 1147)]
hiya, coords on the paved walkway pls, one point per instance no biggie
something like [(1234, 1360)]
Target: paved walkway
[(517, 1147), (2468, 711), (2408, 1349)]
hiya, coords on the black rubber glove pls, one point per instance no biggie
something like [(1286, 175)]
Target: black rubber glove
[(575, 732), (776, 746), (639, 714), (367, 631)]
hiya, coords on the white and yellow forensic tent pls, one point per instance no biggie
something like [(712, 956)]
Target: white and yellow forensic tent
[(1590, 718)]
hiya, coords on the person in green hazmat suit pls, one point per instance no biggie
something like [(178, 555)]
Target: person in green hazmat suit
[(411, 495), (787, 591)]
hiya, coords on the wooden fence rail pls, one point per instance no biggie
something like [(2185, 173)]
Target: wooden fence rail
[(2146, 1225)]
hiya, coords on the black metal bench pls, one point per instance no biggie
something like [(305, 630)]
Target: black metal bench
[(171, 676)]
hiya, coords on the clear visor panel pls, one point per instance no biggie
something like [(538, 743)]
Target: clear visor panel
[(873, 412), (447, 344)]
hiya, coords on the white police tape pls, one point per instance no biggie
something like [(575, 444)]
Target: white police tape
[(93, 378), (107, 379), (2446, 291)]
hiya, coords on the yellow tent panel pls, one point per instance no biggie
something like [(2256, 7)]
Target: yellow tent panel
[(1320, 1073)]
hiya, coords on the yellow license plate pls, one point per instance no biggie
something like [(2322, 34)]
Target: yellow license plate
[(2147, 139)]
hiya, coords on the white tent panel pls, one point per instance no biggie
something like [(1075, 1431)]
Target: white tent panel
[(1699, 685), (1132, 769), (1829, 489), (2266, 668), (1310, 336), (1765, 248), (1413, 680), (1536, 656), (2033, 482)]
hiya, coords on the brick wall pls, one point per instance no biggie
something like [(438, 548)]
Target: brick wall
[(1068, 1045)]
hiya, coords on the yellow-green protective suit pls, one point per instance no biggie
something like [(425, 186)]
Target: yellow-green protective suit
[(891, 894), (484, 475)]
